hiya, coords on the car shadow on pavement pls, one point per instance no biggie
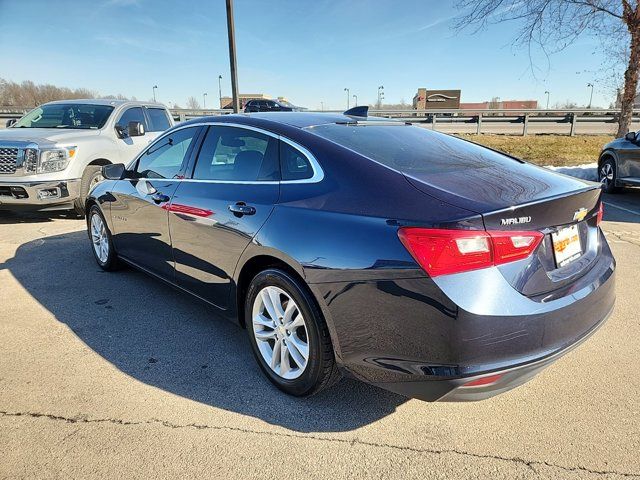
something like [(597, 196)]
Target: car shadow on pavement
[(623, 206), (170, 340), (9, 217)]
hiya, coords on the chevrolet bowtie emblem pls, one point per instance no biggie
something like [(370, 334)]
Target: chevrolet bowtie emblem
[(580, 214)]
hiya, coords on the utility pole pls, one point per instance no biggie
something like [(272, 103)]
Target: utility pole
[(204, 101), (591, 96), (232, 57), (546, 92), (154, 92), (347, 90), (220, 89)]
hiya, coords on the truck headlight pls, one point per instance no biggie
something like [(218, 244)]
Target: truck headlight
[(55, 159)]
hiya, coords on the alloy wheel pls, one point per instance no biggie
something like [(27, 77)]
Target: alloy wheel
[(99, 238), (606, 174), (280, 332)]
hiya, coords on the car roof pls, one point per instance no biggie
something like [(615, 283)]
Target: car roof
[(294, 119), (106, 101)]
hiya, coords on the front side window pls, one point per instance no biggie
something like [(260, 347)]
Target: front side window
[(238, 155), (61, 115), (133, 114), (158, 120), (164, 158)]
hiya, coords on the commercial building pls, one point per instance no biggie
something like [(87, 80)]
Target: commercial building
[(227, 102), (450, 99)]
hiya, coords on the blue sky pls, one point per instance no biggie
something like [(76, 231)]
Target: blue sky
[(306, 50)]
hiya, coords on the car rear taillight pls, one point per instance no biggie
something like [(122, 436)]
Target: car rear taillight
[(600, 214), (442, 252), (484, 381)]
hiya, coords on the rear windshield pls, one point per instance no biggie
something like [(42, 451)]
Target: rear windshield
[(410, 149)]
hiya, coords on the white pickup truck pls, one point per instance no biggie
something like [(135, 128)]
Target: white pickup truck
[(53, 156)]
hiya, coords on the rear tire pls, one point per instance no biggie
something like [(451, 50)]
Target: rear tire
[(90, 177), (299, 329), (608, 174)]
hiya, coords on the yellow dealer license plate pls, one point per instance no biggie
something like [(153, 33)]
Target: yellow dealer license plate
[(566, 245)]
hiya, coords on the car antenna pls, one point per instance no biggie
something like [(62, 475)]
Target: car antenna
[(362, 111)]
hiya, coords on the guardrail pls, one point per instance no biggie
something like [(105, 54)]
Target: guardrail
[(446, 117)]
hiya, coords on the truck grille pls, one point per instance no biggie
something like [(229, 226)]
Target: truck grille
[(8, 160)]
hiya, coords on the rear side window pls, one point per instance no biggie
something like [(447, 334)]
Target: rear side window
[(410, 149), (134, 114), (237, 155), (159, 122), (294, 165)]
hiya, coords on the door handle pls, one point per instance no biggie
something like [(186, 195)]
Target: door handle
[(241, 208), (159, 197)]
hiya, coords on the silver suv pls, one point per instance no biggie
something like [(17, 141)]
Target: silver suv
[(52, 157)]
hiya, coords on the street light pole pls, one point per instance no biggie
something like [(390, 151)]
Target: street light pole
[(220, 89), (546, 92), (380, 95), (348, 97), (232, 57), (204, 101), (591, 96), (154, 92), (356, 97), (322, 106)]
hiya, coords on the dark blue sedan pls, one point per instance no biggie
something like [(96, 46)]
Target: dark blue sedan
[(344, 244)]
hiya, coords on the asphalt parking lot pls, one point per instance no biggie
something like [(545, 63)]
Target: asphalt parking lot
[(116, 375)]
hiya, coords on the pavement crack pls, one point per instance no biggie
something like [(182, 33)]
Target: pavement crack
[(531, 464)]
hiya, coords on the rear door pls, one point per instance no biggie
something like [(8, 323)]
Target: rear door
[(140, 208), (215, 214)]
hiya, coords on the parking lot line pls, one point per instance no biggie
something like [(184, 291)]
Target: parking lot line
[(609, 204)]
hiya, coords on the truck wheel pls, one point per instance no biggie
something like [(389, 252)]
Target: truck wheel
[(91, 176)]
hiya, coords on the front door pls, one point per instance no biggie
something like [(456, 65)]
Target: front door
[(629, 160), (215, 214), (128, 146), (140, 208)]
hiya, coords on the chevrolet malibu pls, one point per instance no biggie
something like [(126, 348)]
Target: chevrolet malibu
[(415, 261)]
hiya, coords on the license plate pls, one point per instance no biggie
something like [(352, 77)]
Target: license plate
[(566, 245)]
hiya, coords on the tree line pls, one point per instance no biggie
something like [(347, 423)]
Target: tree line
[(29, 94)]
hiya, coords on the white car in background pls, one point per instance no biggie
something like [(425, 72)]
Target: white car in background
[(52, 157)]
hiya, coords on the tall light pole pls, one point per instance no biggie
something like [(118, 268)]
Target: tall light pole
[(547, 93), (348, 97), (154, 92), (380, 95), (322, 106), (356, 97), (204, 101), (591, 96), (220, 89), (232, 57)]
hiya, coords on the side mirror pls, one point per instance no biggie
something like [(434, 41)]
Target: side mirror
[(135, 129), (631, 137), (114, 171), (10, 122)]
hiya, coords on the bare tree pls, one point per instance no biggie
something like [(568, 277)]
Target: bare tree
[(552, 25), (193, 104)]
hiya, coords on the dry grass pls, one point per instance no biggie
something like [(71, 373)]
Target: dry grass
[(557, 150)]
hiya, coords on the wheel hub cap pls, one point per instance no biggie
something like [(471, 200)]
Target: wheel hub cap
[(280, 332), (99, 238)]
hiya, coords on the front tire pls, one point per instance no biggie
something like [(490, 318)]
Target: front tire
[(288, 335), (91, 176), (101, 240), (608, 174)]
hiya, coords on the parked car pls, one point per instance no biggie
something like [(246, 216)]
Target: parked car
[(267, 106), (619, 163), (52, 157), (413, 260)]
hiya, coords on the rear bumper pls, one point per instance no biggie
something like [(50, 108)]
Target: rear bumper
[(426, 338), (454, 390), (31, 195)]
